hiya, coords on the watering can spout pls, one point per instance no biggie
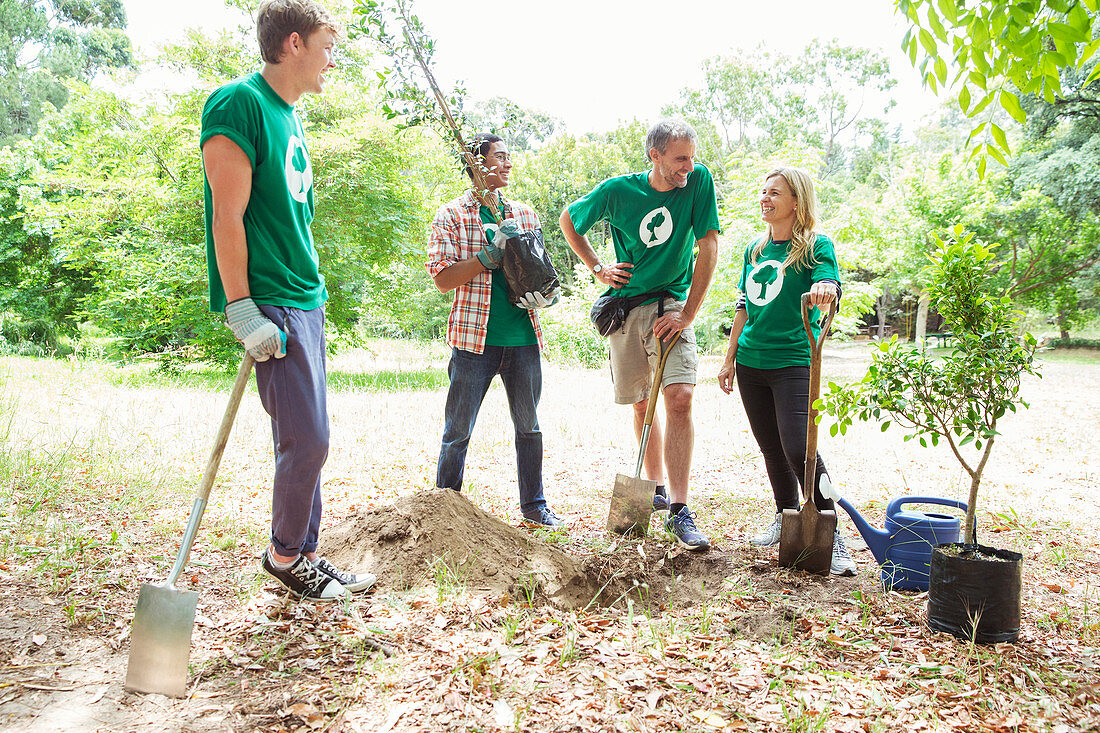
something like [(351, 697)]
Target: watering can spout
[(877, 539)]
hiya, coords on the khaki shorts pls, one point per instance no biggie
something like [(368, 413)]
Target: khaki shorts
[(634, 355)]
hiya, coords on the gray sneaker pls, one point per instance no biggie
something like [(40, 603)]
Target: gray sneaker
[(842, 562), (543, 517), (770, 536)]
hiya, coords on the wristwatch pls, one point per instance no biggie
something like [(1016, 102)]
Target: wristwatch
[(598, 268)]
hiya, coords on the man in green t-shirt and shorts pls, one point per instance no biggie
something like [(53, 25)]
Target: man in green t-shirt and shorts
[(263, 272), (657, 217)]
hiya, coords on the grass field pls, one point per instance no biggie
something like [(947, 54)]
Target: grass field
[(98, 462)]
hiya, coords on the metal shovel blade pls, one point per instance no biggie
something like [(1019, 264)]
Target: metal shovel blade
[(632, 497), (631, 505), (160, 642), (806, 539)]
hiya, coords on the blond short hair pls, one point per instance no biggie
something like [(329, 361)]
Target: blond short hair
[(277, 19)]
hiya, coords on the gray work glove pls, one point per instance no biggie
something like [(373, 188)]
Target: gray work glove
[(492, 254), (262, 338), (534, 301)]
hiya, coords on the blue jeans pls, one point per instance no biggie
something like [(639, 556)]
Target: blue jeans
[(520, 368)]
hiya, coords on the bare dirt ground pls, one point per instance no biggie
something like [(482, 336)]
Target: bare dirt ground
[(478, 624)]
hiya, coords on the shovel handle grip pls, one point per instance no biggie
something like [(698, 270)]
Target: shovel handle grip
[(815, 391), (816, 343), (207, 482)]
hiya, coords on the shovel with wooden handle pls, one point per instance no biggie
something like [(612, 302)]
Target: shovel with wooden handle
[(160, 640), (632, 498), (806, 539)]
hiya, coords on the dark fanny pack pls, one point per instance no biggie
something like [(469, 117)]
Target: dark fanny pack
[(609, 312)]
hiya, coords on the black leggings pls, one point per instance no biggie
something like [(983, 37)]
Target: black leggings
[(777, 404)]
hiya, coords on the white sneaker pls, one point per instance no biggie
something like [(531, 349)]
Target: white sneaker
[(842, 562), (770, 536)]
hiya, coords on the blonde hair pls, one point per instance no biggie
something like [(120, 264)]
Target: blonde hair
[(277, 19), (800, 251)]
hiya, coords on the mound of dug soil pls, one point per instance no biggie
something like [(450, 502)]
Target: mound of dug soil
[(421, 537), (438, 536)]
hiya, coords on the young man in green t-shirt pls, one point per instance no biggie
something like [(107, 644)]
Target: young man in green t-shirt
[(657, 219), (263, 272), (487, 332)]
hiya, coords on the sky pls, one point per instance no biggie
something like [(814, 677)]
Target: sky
[(594, 63)]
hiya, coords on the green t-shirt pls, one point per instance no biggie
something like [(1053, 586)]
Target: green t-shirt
[(282, 261), (773, 335), (654, 230), (509, 325)]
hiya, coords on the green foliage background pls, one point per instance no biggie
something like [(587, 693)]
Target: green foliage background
[(101, 228)]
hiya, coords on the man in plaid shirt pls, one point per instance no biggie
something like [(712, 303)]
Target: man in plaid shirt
[(488, 334)]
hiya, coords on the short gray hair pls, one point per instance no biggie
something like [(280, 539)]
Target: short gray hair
[(667, 130)]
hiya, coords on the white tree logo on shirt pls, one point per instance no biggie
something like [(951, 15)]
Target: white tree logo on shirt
[(764, 282), (656, 227), (299, 171)]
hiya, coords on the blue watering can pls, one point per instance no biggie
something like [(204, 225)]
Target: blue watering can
[(904, 549)]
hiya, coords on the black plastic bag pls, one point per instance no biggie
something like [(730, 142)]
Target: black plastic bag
[(975, 594), (527, 267)]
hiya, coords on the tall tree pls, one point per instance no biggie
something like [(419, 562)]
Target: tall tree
[(45, 43), (991, 51), (846, 90), (830, 96), (734, 104), (523, 129), (110, 226)]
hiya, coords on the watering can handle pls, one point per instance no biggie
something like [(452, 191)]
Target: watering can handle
[(895, 506)]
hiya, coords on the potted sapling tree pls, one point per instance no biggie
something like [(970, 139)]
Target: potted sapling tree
[(960, 399)]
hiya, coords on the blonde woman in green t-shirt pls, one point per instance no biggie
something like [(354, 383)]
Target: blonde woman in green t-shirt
[(768, 352)]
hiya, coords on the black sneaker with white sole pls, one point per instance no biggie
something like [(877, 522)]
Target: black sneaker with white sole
[(304, 580), (354, 582)]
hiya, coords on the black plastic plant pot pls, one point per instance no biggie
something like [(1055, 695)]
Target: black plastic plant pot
[(974, 592)]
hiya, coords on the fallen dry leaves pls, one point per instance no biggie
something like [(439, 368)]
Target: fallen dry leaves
[(764, 650)]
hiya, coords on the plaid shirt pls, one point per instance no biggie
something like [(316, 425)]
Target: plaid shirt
[(459, 234)]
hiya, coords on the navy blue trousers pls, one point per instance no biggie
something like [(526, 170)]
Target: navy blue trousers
[(292, 390)]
